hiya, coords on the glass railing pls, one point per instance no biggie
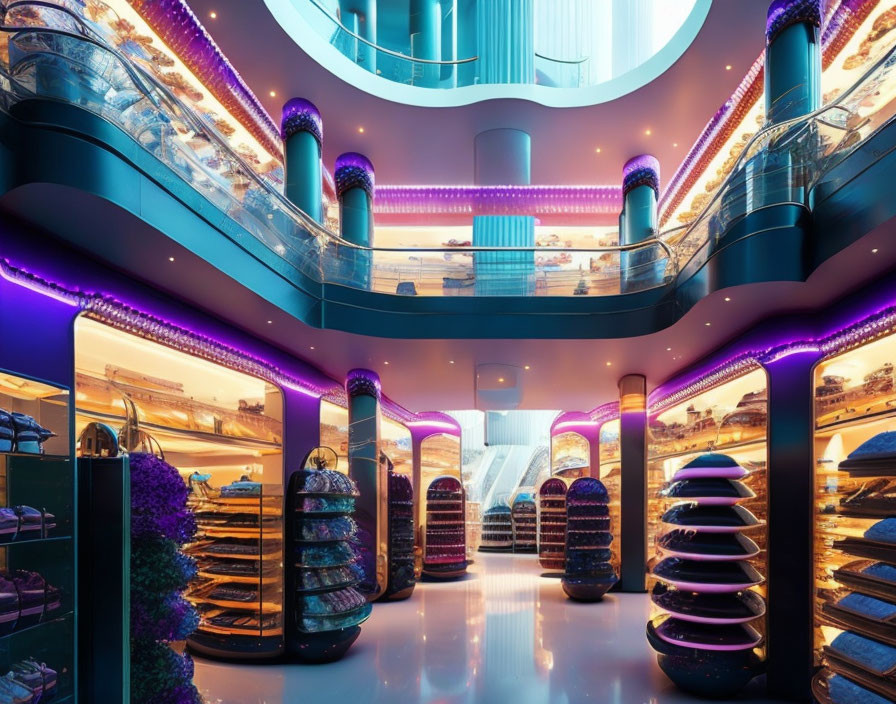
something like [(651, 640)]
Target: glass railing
[(783, 163), (53, 53), (386, 63)]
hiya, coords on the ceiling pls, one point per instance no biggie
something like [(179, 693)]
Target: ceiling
[(413, 145)]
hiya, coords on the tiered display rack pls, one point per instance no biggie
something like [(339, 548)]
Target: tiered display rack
[(37, 547), (525, 523), (705, 641), (552, 524), (239, 553), (855, 449), (474, 527), (325, 609), (401, 538), (707, 483), (497, 529), (589, 574), (445, 553)]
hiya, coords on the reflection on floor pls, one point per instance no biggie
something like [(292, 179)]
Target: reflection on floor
[(504, 635)]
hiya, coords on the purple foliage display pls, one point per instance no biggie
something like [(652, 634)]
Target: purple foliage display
[(160, 523)]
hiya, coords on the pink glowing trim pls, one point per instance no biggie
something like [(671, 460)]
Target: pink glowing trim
[(708, 588), (736, 472), (712, 500), (713, 529), (715, 621), (703, 557), (756, 639)]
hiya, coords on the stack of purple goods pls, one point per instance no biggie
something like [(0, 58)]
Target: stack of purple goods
[(445, 556), (327, 608), (552, 524), (705, 582), (589, 574), (525, 530), (401, 538)]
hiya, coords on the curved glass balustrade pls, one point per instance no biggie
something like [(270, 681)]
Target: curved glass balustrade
[(51, 51)]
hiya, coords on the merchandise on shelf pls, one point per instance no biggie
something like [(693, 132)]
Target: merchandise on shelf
[(445, 554), (589, 574), (238, 551), (474, 527), (705, 584), (552, 524), (497, 529), (325, 609), (525, 530), (401, 537), (859, 663), (21, 433)]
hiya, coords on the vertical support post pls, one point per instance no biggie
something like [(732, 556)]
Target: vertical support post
[(506, 41), (302, 131), (638, 222), (450, 25), (791, 493), (633, 456), (426, 41), (355, 184), (371, 508), (360, 17), (792, 59), (419, 502)]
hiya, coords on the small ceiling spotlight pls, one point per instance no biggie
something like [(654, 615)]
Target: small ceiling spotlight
[(728, 67), (648, 132), (727, 299), (668, 349), (450, 361), (170, 259), (360, 130), (500, 379), (597, 151), (609, 364), (527, 367), (311, 348), (874, 251), (270, 322), (708, 324), (273, 94), (213, 15), (386, 363), (674, 144)]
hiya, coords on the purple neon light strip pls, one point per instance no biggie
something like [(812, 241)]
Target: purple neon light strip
[(499, 200)]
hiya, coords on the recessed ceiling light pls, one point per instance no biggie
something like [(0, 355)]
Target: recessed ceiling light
[(273, 94), (674, 144), (668, 349), (874, 251), (597, 150), (386, 363), (361, 130), (708, 324), (527, 367), (500, 379), (170, 259), (727, 298), (213, 15), (311, 348), (609, 364), (728, 67), (450, 361), (270, 322), (648, 132)]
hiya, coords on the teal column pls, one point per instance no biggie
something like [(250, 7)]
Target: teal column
[(506, 41), (302, 131), (363, 390), (426, 41), (355, 183), (638, 222), (359, 16), (792, 59)]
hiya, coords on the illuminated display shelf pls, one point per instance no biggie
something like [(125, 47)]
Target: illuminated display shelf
[(728, 419), (855, 402), (45, 482), (611, 477)]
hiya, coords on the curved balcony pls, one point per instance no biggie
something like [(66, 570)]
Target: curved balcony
[(67, 87), (573, 54)]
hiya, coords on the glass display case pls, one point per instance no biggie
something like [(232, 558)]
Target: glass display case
[(707, 485), (334, 431), (223, 431), (570, 455), (443, 544), (588, 574), (611, 476), (855, 547), (37, 546), (497, 528)]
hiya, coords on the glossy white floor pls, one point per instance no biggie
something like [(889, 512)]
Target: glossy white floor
[(504, 635)]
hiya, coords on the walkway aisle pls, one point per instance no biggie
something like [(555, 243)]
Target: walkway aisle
[(505, 635)]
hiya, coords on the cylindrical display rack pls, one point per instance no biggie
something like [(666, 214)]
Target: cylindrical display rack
[(705, 587), (525, 529), (589, 574), (497, 529), (401, 538), (552, 524), (325, 608), (445, 555)]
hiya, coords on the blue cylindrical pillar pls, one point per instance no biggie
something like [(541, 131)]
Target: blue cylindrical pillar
[(638, 222), (506, 41), (302, 131), (359, 16), (355, 185), (371, 510), (426, 41), (792, 59)]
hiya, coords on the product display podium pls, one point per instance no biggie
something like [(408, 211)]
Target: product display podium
[(401, 538), (497, 529), (445, 553), (325, 610), (552, 524), (525, 530), (589, 574), (705, 586)]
